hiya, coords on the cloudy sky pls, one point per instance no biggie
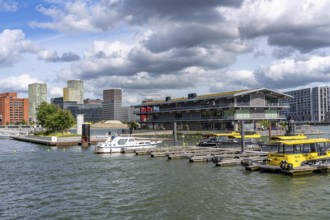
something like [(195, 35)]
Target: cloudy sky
[(159, 48)]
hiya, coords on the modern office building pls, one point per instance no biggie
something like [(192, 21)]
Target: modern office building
[(13, 110), (74, 92), (91, 109), (58, 101), (37, 95), (92, 112), (112, 108), (112, 104), (220, 111), (309, 104)]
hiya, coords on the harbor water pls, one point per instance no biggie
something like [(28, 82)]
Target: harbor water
[(39, 182)]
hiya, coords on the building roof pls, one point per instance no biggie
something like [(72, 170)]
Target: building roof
[(110, 124), (219, 95)]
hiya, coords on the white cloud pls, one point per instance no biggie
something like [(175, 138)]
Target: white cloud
[(155, 48), (49, 55), (8, 5), (79, 15), (13, 44), (295, 72), (17, 83)]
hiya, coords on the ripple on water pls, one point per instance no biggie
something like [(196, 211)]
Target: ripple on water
[(77, 184)]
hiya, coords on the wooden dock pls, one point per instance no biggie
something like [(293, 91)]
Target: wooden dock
[(219, 156), (303, 170)]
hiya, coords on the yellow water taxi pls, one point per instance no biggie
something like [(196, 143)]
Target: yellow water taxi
[(287, 137), (274, 141), (295, 153)]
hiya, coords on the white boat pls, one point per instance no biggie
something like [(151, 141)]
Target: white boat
[(118, 144), (5, 134)]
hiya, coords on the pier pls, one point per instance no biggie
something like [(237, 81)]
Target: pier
[(55, 141)]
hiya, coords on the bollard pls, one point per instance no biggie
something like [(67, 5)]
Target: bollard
[(85, 137)]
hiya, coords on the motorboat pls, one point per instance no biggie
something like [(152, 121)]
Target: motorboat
[(4, 134), (212, 140), (292, 154), (118, 144), (233, 139)]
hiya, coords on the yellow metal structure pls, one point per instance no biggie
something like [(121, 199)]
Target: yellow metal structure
[(295, 153), (287, 137), (226, 134), (246, 136)]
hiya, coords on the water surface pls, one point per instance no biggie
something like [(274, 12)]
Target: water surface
[(38, 182)]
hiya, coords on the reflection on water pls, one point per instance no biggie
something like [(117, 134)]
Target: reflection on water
[(38, 182)]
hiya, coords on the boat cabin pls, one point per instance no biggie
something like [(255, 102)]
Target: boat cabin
[(294, 153)]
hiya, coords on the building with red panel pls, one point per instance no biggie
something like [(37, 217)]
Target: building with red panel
[(219, 111), (13, 110)]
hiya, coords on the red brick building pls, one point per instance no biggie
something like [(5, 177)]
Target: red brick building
[(13, 109)]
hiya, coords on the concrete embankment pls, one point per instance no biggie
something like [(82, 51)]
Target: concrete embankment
[(55, 141)]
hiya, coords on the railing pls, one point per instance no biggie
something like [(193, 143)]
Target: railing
[(208, 118), (206, 107), (171, 119)]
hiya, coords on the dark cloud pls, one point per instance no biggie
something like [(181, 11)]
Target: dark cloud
[(186, 36), (257, 54), (66, 57), (69, 57), (174, 10), (304, 43), (141, 60), (280, 53), (301, 25)]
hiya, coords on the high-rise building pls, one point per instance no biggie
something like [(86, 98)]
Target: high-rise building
[(13, 110), (37, 94), (309, 104), (112, 104), (74, 92)]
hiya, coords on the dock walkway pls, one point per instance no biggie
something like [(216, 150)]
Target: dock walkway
[(54, 141)]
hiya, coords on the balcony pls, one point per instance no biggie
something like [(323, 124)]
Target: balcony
[(215, 118), (209, 107)]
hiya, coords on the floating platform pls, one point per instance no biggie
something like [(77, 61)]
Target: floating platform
[(303, 170)]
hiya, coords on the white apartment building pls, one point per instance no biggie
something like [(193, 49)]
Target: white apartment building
[(37, 93), (309, 104)]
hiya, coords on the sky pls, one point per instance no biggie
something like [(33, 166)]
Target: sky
[(157, 48)]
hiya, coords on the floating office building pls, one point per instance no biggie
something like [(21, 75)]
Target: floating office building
[(219, 111)]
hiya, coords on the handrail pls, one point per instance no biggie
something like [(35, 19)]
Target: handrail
[(205, 107)]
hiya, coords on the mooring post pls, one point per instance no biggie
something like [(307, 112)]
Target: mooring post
[(174, 134), (269, 129), (86, 135), (242, 137)]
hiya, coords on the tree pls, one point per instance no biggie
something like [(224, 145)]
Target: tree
[(53, 118), (264, 123)]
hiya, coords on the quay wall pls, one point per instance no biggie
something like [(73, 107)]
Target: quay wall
[(261, 132)]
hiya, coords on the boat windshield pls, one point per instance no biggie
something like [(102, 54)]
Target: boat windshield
[(320, 148), (122, 141)]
